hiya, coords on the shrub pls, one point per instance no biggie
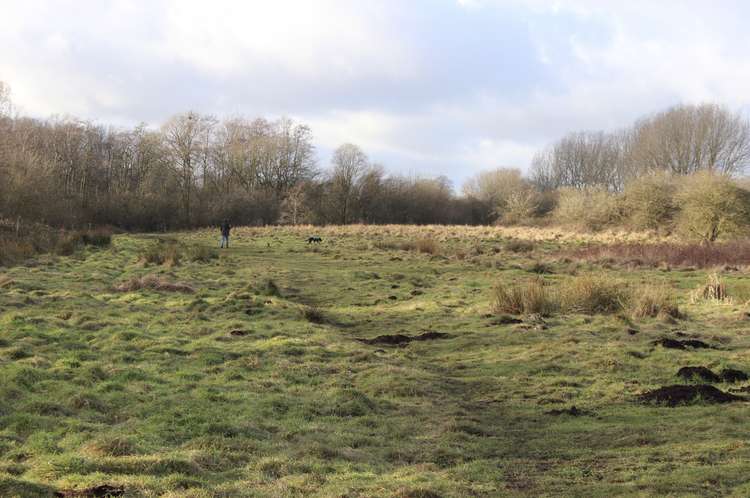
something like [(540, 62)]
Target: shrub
[(592, 295), (589, 208), (654, 301), (650, 202), (520, 206), (530, 297), (712, 206)]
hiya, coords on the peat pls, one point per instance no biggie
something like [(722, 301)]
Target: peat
[(669, 343), (573, 411), (683, 395), (702, 373), (399, 339), (101, 491), (731, 375)]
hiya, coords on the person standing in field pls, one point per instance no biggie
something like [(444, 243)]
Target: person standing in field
[(225, 228)]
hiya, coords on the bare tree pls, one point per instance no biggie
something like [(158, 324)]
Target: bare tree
[(5, 103), (688, 138), (349, 164), (183, 140)]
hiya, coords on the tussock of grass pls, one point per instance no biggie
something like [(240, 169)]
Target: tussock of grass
[(586, 294), (313, 314), (654, 301), (518, 246), (269, 288), (5, 281), (201, 253), (714, 290), (110, 447), (525, 298), (153, 282), (423, 245), (162, 253), (592, 295)]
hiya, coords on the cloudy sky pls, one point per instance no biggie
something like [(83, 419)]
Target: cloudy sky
[(432, 87)]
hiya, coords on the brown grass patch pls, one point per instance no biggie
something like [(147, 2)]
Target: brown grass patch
[(153, 282), (525, 298), (714, 290), (735, 253), (592, 294), (654, 301)]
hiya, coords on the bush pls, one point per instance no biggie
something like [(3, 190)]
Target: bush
[(650, 202), (654, 301), (592, 295), (712, 206), (530, 297), (589, 208)]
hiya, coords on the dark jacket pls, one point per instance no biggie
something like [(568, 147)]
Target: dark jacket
[(225, 227)]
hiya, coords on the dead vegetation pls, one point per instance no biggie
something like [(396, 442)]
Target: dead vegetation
[(30, 241), (714, 290), (586, 294), (162, 252), (694, 255)]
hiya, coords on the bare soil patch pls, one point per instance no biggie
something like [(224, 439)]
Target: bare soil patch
[(702, 373), (676, 395), (400, 339), (101, 491), (670, 343)]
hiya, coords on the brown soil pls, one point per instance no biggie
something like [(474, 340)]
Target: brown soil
[(101, 491), (400, 339), (683, 395), (702, 373), (572, 411), (669, 343), (731, 375)]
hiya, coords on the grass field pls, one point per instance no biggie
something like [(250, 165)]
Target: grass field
[(255, 373)]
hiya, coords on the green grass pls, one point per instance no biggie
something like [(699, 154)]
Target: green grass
[(256, 384)]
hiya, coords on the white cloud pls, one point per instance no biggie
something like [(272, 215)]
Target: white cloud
[(431, 87)]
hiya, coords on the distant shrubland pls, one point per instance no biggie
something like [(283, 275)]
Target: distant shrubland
[(678, 171)]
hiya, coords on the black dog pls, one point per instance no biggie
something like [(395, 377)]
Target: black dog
[(317, 240)]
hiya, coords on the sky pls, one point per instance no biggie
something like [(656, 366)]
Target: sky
[(425, 87)]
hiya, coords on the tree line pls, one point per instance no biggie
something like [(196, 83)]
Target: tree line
[(195, 170)]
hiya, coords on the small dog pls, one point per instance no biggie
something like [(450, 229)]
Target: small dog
[(317, 240)]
